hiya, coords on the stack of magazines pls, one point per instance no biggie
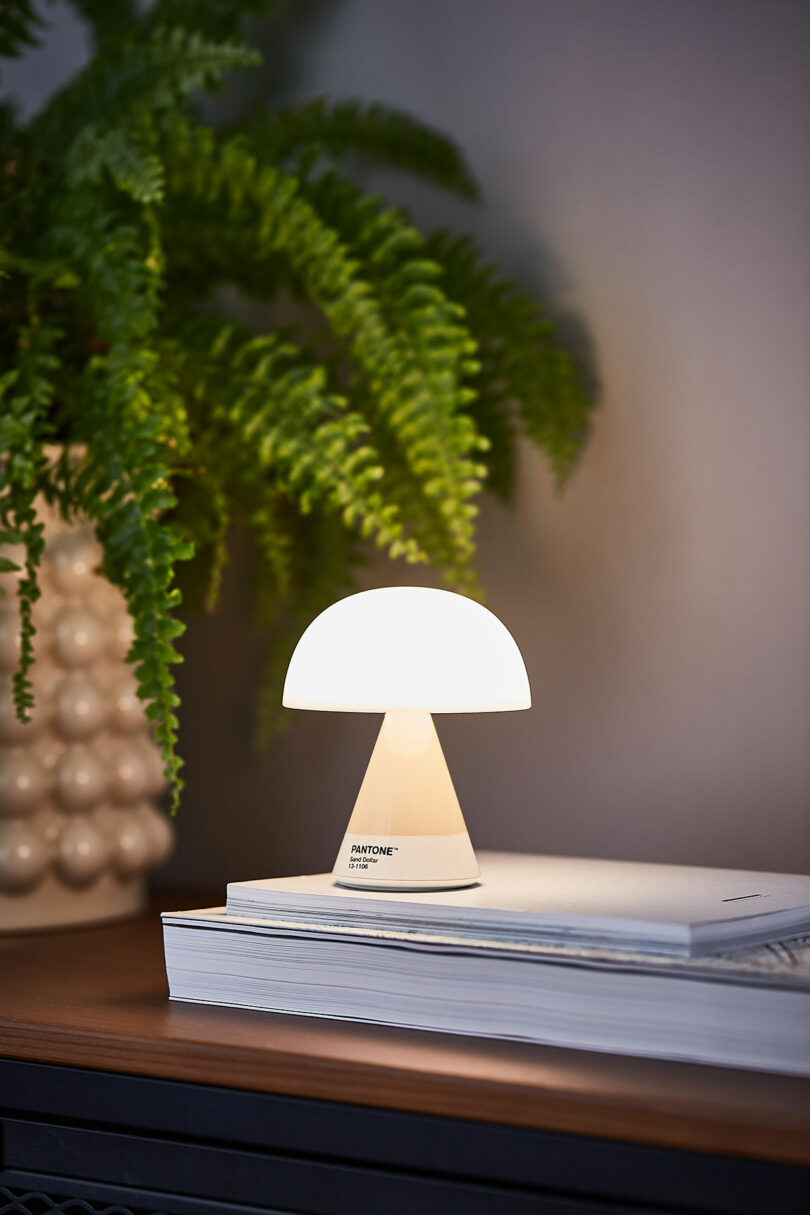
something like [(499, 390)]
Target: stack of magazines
[(705, 965)]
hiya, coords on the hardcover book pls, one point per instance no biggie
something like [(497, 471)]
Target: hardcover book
[(594, 955), (745, 1009)]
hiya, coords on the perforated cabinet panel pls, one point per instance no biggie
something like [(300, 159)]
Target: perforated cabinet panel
[(33, 1202)]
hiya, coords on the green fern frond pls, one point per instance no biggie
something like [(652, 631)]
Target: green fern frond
[(153, 74), (115, 263), (272, 534), (372, 133), (221, 511), (26, 393), (124, 153), (325, 556), (265, 409), (133, 424), (19, 27), (123, 483), (411, 352), (107, 19), (39, 272), (438, 438), (521, 361), (214, 19)]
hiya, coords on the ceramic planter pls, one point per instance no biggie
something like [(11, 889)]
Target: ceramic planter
[(79, 829)]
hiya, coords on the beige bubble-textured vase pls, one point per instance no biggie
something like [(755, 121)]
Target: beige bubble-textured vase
[(78, 827)]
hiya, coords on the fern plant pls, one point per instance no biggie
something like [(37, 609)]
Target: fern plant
[(123, 217)]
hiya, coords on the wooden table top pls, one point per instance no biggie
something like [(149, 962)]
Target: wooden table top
[(97, 998)]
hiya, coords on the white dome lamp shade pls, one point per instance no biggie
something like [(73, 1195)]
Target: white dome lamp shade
[(407, 652)]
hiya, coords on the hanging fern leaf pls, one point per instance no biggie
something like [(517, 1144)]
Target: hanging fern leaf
[(406, 281), (267, 410), (326, 557), (107, 21), (413, 376), (20, 25), (131, 419), (124, 484), (521, 361), (372, 133), (26, 393), (215, 19), (124, 154), (153, 74)]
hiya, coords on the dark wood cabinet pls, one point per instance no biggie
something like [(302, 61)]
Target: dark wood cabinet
[(114, 1100)]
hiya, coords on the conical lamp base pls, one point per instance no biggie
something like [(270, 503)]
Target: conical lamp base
[(407, 831)]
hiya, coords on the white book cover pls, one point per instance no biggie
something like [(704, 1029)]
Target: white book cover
[(522, 898)]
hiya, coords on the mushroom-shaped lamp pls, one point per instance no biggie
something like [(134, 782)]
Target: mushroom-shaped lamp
[(407, 652)]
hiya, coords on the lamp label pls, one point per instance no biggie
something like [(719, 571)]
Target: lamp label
[(402, 862)]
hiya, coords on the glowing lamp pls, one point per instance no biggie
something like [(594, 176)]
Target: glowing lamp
[(407, 652)]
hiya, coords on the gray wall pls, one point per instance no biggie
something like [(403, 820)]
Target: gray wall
[(645, 162)]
